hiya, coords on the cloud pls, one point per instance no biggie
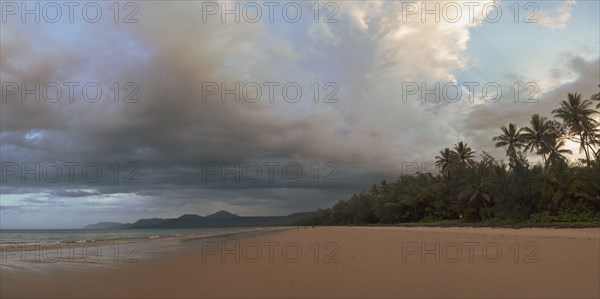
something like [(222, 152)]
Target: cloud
[(75, 193), (483, 121), (171, 133), (558, 18)]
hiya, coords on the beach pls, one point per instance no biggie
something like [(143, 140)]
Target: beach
[(337, 262)]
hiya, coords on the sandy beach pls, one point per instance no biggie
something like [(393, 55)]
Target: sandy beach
[(342, 262)]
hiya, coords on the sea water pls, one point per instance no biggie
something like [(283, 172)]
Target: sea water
[(35, 248)]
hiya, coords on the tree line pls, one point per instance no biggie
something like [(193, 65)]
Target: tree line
[(487, 190)]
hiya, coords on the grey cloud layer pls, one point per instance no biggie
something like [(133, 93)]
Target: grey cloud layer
[(170, 133)]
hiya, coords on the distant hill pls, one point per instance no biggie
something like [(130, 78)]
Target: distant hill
[(218, 219), (221, 215), (147, 222)]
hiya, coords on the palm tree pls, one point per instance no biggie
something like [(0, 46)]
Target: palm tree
[(556, 151), (412, 199), (577, 116), (464, 154), (559, 190), (476, 195), (596, 97), (538, 136), (445, 158), (512, 139)]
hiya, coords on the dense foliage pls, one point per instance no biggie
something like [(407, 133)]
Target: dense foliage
[(553, 190)]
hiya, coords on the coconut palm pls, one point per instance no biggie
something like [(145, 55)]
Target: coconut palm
[(464, 154), (556, 151), (412, 199), (476, 195), (444, 159), (559, 190), (538, 136), (596, 98), (512, 139), (577, 116)]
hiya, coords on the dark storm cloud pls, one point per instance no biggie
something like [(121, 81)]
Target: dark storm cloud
[(162, 144), (170, 134), (75, 193)]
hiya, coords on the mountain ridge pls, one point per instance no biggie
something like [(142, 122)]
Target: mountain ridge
[(219, 219)]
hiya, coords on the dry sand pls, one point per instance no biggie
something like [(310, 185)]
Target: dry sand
[(365, 262)]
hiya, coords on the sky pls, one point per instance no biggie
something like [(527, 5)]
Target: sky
[(138, 115)]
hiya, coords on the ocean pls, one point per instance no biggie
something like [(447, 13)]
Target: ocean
[(35, 248), (43, 236)]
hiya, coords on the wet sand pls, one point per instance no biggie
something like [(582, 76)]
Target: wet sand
[(342, 262)]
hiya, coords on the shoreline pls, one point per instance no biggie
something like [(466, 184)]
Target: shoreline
[(222, 230), (79, 255)]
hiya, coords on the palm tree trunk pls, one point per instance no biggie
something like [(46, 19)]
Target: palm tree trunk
[(583, 139), (544, 158), (416, 215), (487, 210)]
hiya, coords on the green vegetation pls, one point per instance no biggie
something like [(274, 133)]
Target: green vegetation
[(493, 192)]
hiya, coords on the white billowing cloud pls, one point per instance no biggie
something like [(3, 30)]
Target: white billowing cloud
[(404, 51), (320, 33), (558, 18)]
